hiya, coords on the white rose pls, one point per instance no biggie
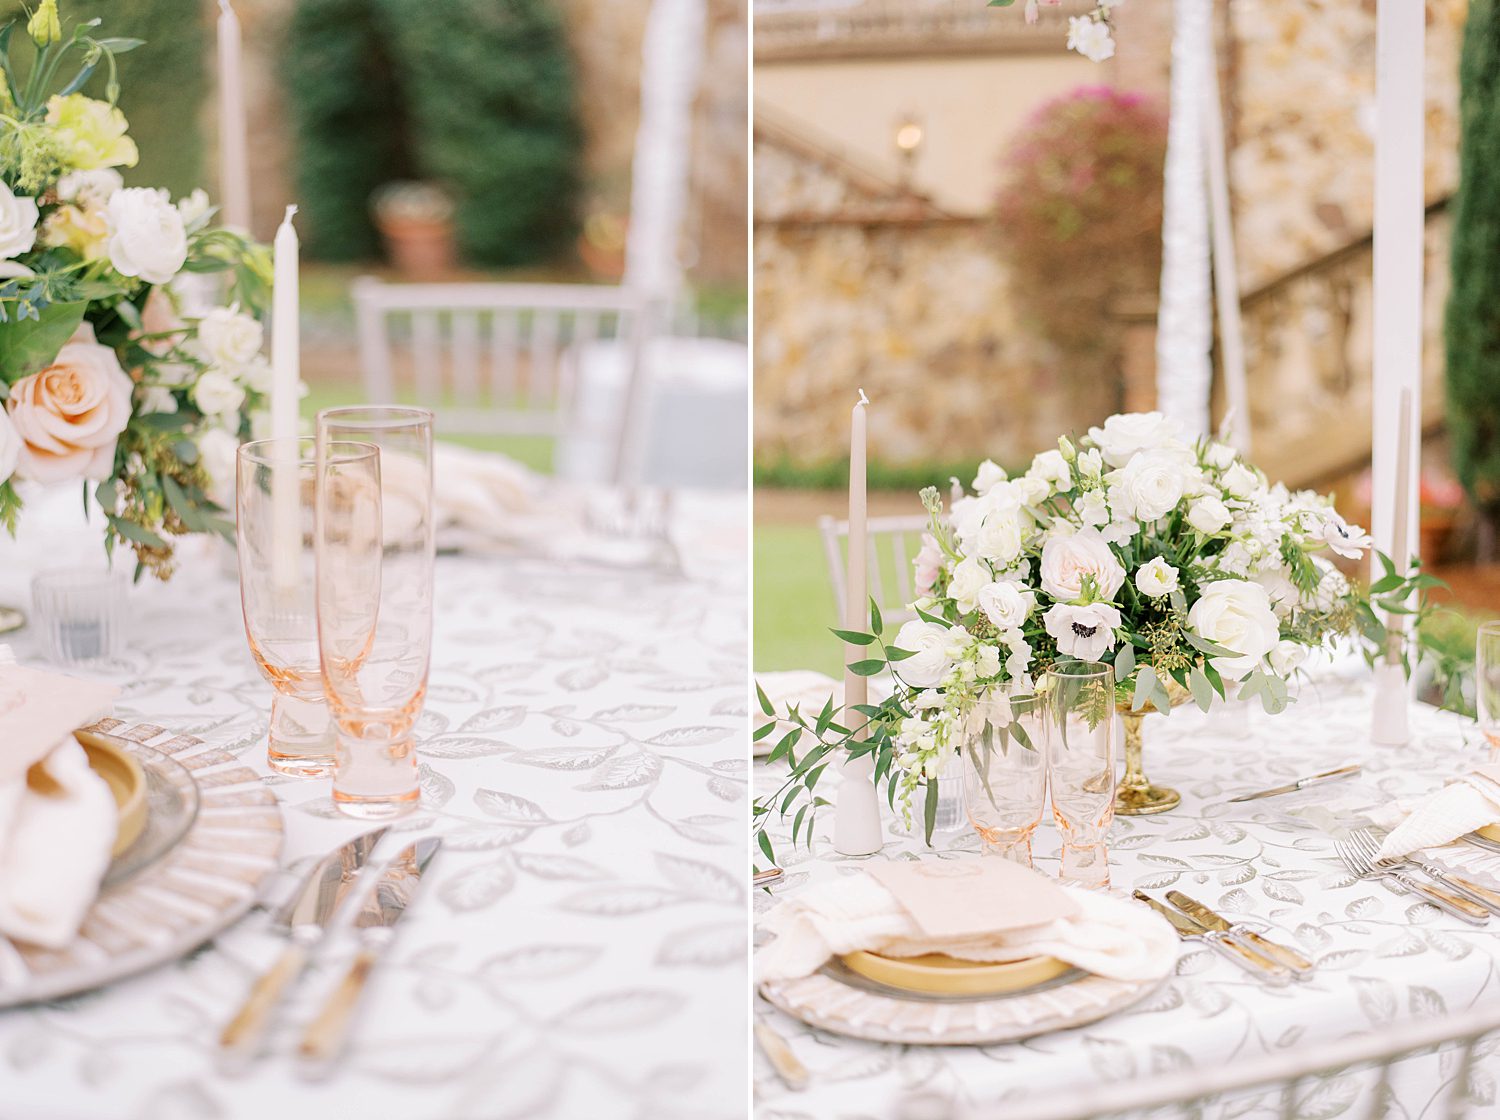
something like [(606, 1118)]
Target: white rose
[(1083, 632), (1237, 615), (1092, 509), (10, 446), (1149, 486), (1287, 657), (229, 338), (997, 537), (969, 576), (146, 235), (928, 644), (988, 477), (1240, 481), (1067, 560), (216, 454), (1156, 578), (18, 218), (1006, 604), (1208, 515), (216, 394), (1123, 435), (1050, 467)]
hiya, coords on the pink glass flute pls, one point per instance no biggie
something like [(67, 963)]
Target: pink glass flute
[(1078, 719), (1487, 685), (374, 602), (1005, 772), (274, 513)]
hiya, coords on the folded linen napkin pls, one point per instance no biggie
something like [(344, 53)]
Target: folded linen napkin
[(1108, 936), (1472, 801), (57, 817)]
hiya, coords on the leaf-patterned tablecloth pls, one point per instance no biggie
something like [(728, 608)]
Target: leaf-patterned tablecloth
[(579, 948), (1382, 958)]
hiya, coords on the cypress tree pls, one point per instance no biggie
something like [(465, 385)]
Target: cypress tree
[(1472, 326)]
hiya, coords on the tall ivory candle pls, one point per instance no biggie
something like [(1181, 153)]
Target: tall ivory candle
[(286, 381), (234, 162)]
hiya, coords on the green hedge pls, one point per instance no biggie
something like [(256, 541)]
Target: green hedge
[(476, 94), (163, 84), (1473, 313)]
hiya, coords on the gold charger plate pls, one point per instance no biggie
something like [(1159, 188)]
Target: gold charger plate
[(938, 974), (126, 780), (1489, 832)]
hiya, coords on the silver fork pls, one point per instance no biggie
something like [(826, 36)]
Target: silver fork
[(1365, 840), (1361, 867)]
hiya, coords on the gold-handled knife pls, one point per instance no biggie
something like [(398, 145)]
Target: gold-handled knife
[(304, 918), (1300, 783), (1201, 914), (1188, 930), (326, 1035), (787, 1065)]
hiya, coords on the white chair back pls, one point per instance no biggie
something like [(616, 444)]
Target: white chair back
[(893, 539), (500, 359)]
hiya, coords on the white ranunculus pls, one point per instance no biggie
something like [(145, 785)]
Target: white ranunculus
[(1006, 604), (1156, 578), (217, 394), (1090, 38), (1237, 615), (216, 453), (1208, 515), (1067, 560), (146, 235), (969, 575), (1051, 468), (18, 218), (1240, 481), (229, 338), (1092, 509), (988, 477), (10, 446), (1349, 541), (928, 644), (1125, 434), (1083, 632), (1287, 657), (1149, 486)]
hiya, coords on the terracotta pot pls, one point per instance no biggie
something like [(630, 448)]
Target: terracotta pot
[(420, 250)]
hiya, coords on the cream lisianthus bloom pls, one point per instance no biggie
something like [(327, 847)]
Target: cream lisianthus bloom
[(1006, 604), (91, 133), (970, 576), (1052, 468), (1129, 432), (1237, 615), (1068, 560), (1082, 632), (217, 394), (1156, 578), (988, 478), (229, 338), (1287, 657), (216, 453), (1208, 515), (18, 218), (928, 644), (1150, 485), (146, 236)]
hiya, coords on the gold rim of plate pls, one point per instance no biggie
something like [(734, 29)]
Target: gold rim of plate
[(1490, 832), (126, 780), (943, 975)]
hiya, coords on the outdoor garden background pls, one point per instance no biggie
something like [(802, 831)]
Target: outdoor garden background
[(523, 111), (994, 283)]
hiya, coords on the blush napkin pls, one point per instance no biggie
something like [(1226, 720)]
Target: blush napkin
[(1099, 933), (1457, 809), (56, 832)]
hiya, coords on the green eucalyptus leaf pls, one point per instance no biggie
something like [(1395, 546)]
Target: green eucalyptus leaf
[(28, 345), (853, 637), (929, 811), (866, 668)]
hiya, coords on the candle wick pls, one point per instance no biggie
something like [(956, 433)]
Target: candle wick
[(862, 398), (226, 8), (290, 213)]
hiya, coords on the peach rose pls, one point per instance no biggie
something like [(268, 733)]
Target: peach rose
[(70, 415)]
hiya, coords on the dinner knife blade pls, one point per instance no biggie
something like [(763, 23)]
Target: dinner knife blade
[(393, 893), (1272, 950), (1185, 926), (318, 899), (1300, 783)]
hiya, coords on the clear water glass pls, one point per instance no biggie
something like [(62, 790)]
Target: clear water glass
[(274, 514), (1005, 772), (1078, 726), (81, 614), (1487, 684), (374, 601)]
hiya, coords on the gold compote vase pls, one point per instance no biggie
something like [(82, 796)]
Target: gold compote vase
[(1135, 796)]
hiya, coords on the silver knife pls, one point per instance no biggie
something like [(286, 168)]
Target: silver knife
[(304, 918), (327, 1033), (1281, 954), (1300, 783), (1242, 955)]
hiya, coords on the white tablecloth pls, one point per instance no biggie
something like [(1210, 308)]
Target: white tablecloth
[(1382, 958), (579, 947)]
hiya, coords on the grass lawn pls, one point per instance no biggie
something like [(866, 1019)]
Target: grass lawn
[(793, 602)]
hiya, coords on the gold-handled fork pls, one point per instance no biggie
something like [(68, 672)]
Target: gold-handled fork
[(1362, 867)]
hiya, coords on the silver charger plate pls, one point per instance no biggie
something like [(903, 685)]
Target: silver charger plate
[(173, 902), (172, 803)]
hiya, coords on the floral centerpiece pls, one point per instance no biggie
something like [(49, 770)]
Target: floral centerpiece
[(1176, 562), (130, 335)]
